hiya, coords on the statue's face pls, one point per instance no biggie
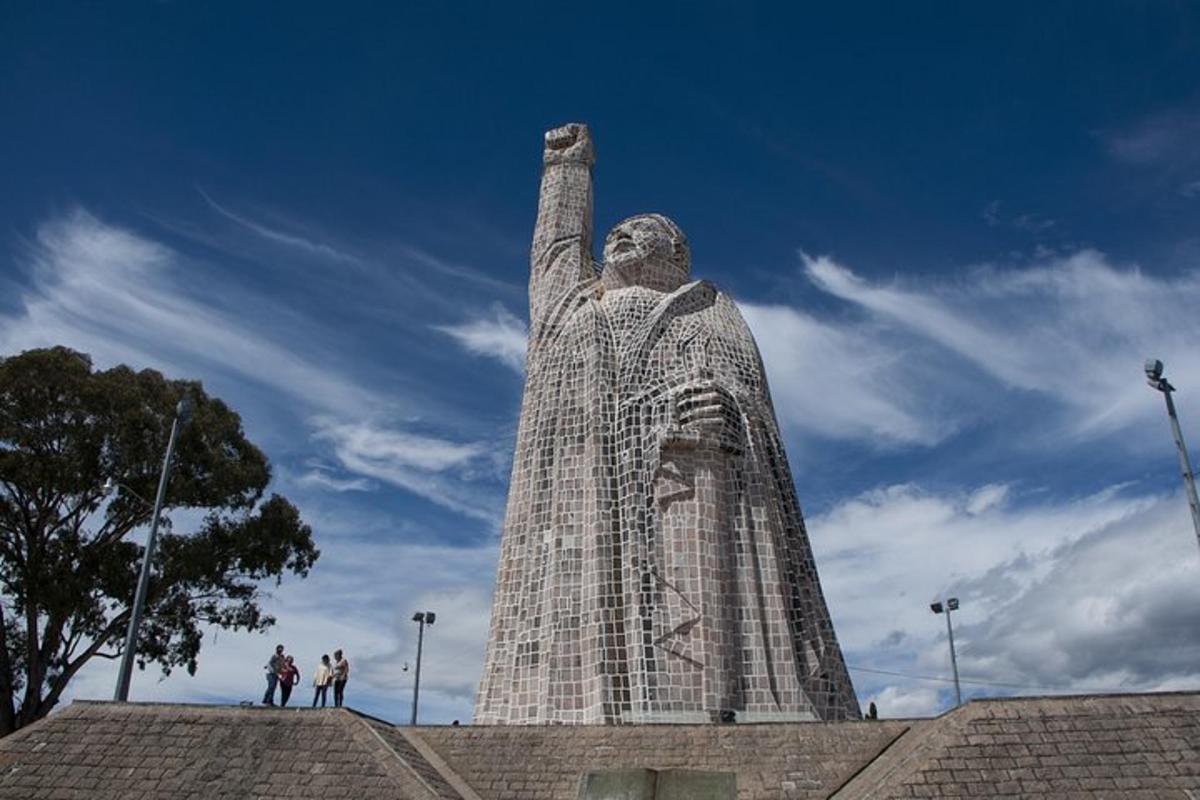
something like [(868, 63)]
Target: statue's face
[(640, 251)]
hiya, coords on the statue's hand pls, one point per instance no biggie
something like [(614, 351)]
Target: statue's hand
[(707, 407), (569, 144)]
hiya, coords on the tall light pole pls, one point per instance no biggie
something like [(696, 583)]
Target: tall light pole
[(1154, 377), (951, 605), (182, 412), (422, 618)]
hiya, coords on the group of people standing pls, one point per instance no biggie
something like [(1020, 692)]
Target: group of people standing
[(283, 673)]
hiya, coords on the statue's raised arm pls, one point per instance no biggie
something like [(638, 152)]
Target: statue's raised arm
[(562, 239)]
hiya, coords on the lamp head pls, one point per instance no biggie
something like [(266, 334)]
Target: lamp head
[(419, 617), (935, 607), (952, 604), (109, 486), (430, 617), (1154, 369)]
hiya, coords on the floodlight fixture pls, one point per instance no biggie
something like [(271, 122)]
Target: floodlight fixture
[(1156, 379), (1154, 369), (422, 618), (937, 607)]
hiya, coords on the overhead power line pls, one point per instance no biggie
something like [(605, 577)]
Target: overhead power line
[(977, 682)]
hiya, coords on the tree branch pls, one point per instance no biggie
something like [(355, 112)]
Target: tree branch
[(120, 526), (69, 669)]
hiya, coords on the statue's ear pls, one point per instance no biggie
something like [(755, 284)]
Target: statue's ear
[(681, 254)]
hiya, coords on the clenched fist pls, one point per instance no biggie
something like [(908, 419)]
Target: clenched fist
[(570, 143)]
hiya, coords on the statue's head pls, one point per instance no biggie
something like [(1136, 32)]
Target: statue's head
[(647, 250)]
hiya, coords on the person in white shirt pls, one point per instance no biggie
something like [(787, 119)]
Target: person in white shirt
[(322, 677)]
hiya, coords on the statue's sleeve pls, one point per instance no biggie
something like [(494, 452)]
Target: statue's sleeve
[(562, 240)]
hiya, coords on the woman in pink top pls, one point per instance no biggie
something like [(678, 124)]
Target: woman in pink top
[(289, 676)]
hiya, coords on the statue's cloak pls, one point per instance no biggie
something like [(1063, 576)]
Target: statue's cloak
[(650, 571)]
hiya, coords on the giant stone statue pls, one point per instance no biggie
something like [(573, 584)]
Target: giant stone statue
[(654, 564)]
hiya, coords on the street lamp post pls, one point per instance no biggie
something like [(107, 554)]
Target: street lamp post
[(1154, 377), (422, 618), (182, 412), (937, 608)]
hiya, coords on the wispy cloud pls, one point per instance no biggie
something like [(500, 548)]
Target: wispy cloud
[(415, 261), (1164, 145), (124, 298), (374, 444), (1073, 329), (842, 380), (498, 334), (1025, 222), (280, 237), (461, 272), (1170, 137), (445, 472), (323, 480)]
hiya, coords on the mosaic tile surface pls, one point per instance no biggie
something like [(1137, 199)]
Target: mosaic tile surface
[(654, 563)]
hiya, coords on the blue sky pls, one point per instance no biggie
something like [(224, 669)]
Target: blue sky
[(956, 229)]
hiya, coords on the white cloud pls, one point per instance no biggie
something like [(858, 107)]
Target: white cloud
[(986, 497), (319, 249), (403, 263), (842, 379), (1163, 147), (903, 702), (323, 480), (360, 598), (1025, 222), (1074, 330), (122, 298), (1166, 139), (499, 335), (439, 470), (459, 635), (1093, 593), (371, 444)]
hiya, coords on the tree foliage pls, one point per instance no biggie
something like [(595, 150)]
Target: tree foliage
[(68, 564)]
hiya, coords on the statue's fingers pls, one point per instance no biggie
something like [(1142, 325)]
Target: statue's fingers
[(697, 388), (701, 412), (708, 392), (560, 138)]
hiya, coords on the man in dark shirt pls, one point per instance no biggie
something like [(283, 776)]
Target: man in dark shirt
[(341, 674), (274, 667)]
